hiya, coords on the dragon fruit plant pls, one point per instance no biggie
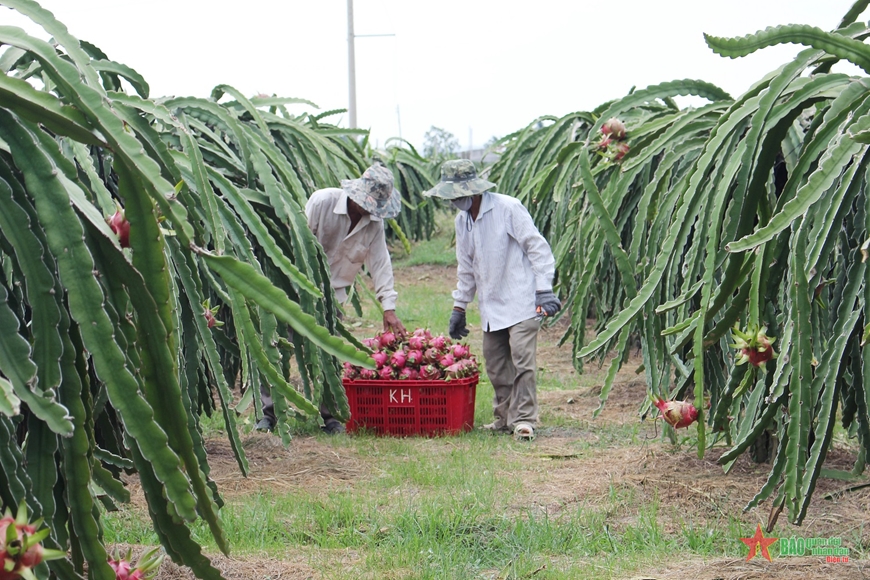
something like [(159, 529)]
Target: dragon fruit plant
[(420, 356)]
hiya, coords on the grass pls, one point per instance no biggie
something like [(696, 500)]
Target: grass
[(461, 507)]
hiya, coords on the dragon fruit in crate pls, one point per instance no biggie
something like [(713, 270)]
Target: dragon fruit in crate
[(419, 356)]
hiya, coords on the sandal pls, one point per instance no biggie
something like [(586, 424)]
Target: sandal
[(524, 432)]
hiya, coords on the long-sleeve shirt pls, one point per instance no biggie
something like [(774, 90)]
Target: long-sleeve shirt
[(504, 259), (348, 251)]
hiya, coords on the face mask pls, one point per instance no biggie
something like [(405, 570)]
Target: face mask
[(462, 203)]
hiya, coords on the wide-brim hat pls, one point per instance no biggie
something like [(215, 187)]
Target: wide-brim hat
[(459, 179), (374, 192)]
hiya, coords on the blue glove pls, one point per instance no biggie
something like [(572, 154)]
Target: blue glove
[(546, 303), (457, 329)]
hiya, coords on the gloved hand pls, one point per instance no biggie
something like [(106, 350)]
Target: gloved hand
[(546, 302), (457, 329)]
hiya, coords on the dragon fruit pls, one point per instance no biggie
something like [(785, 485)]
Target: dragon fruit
[(676, 413), (753, 345), (398, 359), (380, 358), (209, 314), (119, 224), (350, 371), (621, 150), (431, 356), (430, 373), (614, 128), (420, 356), (459, 351), (146, 567), (461, 369), (388, 340), (612, 145), (20, 545)]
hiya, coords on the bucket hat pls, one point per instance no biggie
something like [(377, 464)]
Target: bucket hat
[(459, 179), (374, 192)]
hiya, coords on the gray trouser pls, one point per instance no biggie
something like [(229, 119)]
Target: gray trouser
[(510, 364)]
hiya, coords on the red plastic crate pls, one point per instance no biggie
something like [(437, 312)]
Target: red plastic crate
[(411, 407)]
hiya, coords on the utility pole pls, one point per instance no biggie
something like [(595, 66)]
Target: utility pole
[(351, 67), (351, 64)]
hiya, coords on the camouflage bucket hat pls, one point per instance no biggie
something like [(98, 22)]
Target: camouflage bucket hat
[(374, 192), (459, 179)]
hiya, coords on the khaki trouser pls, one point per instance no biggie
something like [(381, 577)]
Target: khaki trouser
[(510, 365)]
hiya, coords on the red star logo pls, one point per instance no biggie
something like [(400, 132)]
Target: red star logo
[(758, 540)]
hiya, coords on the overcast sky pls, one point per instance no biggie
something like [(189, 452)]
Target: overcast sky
[(478, 68)]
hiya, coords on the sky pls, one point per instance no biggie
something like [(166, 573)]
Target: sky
[(477, 68)]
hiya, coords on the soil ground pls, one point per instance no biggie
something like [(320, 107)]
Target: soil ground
[(561, 473)]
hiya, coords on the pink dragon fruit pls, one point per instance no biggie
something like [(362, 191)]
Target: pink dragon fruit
[(676, 413), (621, 150), (144, 569), (398, 359), (119, 224), (463, 368), (368, 374), (469, 366), (431, 356), (447, 360), (460, 351), (430, 373), (20, 545), (423, 333), (415, 358), (350, 372), (380, 358), (615, 128), (439, 342), (408, 374), (388, 340), (387, 373), (416, 342), (373, 343)]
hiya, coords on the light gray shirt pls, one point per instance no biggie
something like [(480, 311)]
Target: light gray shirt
[(504, 259), (346, 251)]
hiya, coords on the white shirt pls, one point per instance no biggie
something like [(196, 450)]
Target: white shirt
[(504, 259), (348, 251)]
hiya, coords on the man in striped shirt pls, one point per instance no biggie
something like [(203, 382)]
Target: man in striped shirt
[(504, 259)]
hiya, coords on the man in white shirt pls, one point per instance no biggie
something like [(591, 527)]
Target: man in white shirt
[(503, 258), (348, 223)]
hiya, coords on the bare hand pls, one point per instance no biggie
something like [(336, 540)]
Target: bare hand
[(393, 324)]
